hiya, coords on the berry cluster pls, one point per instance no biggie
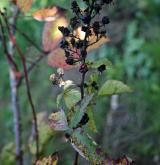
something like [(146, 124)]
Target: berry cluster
[(74, 46)]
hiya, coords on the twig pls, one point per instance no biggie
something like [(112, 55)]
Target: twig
[(14, 93), (44, 53), (13, 40), (30, 68), (29, 40), (30, 99), (8, 55)]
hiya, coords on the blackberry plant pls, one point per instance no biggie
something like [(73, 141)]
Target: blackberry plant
[(73, 117)]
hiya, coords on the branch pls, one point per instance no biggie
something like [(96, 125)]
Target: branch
[(14, 93), (44, 53), (31, 67), (13, 40), (29, 40), (8, 55)]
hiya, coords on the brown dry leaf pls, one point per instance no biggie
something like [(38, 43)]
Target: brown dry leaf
[(48, 14), (23, 5), (50, 160), (51, 35), (96, 45), (57, 59)]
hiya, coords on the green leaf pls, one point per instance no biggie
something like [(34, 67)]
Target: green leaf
[(91, 123), (111, 87), (59, 99), (92, 152), (87, 147), (71, 97), (7, 155), (94, 77), (80, 110), (45, 133), (102, 61), (58, 121)]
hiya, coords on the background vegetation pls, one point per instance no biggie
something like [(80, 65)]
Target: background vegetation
[(134, 127)]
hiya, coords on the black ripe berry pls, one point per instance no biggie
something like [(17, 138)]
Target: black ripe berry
[(97, 8), (102, 68), (67, 53), (83, 68), (107, 1), (65, 31), (94, 85), (74, 22), (64, 44), (85, 85), (86, 19), (73, 42), (84, 28), (105, 20), (75, 7), (70, 60), (84, 119), (67, 136)]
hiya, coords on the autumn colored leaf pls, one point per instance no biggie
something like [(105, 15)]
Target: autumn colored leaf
[(50, 160), (51, 35), (57, 59), (48, 14), (23, 5), (96, 45), (58, 121)]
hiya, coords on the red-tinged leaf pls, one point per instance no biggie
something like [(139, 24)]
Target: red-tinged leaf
[(51, 35), (50, 160), (48, 14), (58, 121), (57, 59), (23, 5)]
